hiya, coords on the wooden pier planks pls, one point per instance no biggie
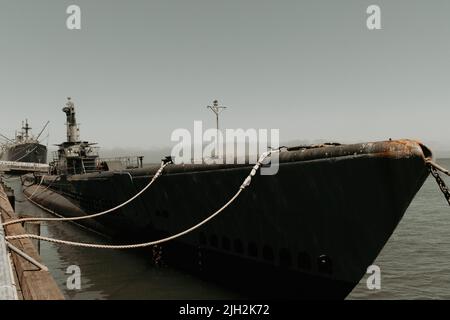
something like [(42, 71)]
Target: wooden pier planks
[(7, 287), (35, 284)]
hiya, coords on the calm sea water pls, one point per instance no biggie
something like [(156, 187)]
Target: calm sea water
[(415, 263), (112, 274)]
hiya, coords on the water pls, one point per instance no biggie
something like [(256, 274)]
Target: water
[(112, 274), (415, 263)]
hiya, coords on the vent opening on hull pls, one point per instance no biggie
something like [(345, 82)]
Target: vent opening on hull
[(226, 243), (285, 258), (238, 247), (324, 264), (202, 239), (304, 261), (252, 250), (214, 241), (268, 253)]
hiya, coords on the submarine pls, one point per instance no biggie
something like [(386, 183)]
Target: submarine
[(308, 232)]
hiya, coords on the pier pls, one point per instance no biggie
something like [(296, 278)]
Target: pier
[(7, 284), (22, 167), (22, 275)]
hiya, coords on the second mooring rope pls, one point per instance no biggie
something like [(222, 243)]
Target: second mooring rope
[(157, 174), (244, 185), (34, 194)]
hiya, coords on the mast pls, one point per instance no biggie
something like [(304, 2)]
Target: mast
[(71, 122), (26, 129), (216, 109)]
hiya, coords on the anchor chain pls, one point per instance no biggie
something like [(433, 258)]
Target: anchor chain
[(434, 170)]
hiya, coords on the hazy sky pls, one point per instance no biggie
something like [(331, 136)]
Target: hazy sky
[(137, 70)]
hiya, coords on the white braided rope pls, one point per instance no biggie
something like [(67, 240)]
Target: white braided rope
[(4, 197), (94, 215), (40, 182), (244, 185), (438, 167), (42, 191)]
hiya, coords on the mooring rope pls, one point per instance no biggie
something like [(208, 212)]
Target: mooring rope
[(4, 197), (157, 174), (244, 185), (438, 167), (37, 187), (34, 192)]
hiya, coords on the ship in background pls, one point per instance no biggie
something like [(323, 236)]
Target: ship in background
[(24, 147), (310, 231)]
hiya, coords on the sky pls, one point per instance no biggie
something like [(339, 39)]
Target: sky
[(137, 70)]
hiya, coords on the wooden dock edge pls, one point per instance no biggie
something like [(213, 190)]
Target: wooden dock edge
[(8, 289), (35, 284)]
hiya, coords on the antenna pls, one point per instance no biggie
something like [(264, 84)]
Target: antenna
[(217, 109)]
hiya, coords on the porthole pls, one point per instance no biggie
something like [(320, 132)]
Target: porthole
[(252, 249), (238, 247), (213, 241), (202, 238), (304, 261), (268, 253), (226, 244), (285, 258)]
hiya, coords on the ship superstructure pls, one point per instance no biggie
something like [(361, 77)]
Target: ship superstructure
[(24, 147), (74, 156)]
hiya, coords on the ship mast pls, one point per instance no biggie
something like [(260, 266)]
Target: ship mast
[(71, 122), (27, 128)]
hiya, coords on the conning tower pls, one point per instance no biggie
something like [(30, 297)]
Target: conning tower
[(74, 156), (73, 132)]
